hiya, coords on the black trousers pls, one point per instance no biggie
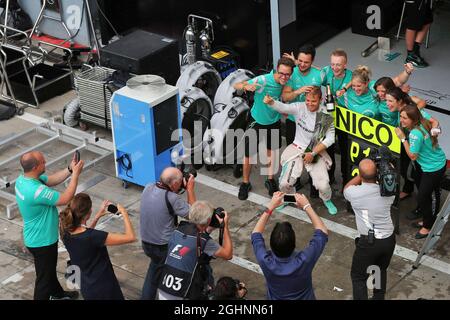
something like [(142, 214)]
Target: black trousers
[(157, 254), (46, 284), (377, 254), (408, 187), (427, 183), (343, 149)]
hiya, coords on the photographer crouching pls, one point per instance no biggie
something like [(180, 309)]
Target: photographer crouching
[(186, 273), (161, 205), (376, 243)]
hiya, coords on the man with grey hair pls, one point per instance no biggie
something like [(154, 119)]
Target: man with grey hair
[(186, 273), (37, 203), (161, 205), (376, 243)]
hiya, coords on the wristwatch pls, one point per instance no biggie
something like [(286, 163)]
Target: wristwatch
[(70, 169), (403, 140), (313, 153)]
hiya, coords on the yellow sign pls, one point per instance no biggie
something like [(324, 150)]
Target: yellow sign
[(220, 54), (366, 128)]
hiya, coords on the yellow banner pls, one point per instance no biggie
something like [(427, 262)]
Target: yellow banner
[(366, 128)]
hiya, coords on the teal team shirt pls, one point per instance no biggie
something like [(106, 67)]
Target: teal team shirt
[(262, 113), (430, 159), (298, 80), (37, 205), (393, 118), (366, 104), (387, 116), (336, 84)]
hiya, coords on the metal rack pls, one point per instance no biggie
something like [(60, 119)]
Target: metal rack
[(55, 132), (95, 95)]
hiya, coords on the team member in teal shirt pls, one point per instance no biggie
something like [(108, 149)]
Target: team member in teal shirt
[(423, 148), (382, 85), (339, 78), (336, 75), (37, 203), (304, 77), (266, 119), (396, 101), (360, 97)]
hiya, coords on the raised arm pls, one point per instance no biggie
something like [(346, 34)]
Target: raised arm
[(226, 250), (281, 107), (403, 76), (60, 176), (68, 194), (419, 102), (277, 200), (128, 236), (303, 203)]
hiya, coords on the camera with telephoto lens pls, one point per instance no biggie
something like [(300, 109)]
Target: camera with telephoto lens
[(220, 212), (386, 174), (187, 171)]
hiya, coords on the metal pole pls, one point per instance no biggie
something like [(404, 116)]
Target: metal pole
[(89, 16), (275, 27)]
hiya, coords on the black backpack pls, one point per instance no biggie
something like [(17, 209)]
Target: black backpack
[(7, 111)]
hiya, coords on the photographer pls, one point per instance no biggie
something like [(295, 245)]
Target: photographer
[(87, 247), (229, 289), (376, 243), (186, 273), (160, 206), (288, 274)]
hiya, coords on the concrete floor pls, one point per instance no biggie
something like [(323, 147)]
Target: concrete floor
[(331, 276)]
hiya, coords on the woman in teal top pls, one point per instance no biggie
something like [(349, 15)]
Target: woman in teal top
[(359, 98), (384, 84), (423, 148), (396, 100)]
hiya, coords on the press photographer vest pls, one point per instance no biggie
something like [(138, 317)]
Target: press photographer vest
[(184, 274)]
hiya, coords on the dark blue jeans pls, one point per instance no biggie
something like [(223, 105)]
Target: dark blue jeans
[(157, 254)]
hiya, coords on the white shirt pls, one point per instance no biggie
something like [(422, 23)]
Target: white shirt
[(305, 122)]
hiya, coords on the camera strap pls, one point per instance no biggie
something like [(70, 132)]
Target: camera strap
[(199, 245), (221, 229), (161, 185), (170, 208)]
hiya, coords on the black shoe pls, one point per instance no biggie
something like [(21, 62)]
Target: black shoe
[(271, 186), (313, 193), (298, 185), (416, 60), (243, 190), (420, 235), (414, 215), (67, 295)]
